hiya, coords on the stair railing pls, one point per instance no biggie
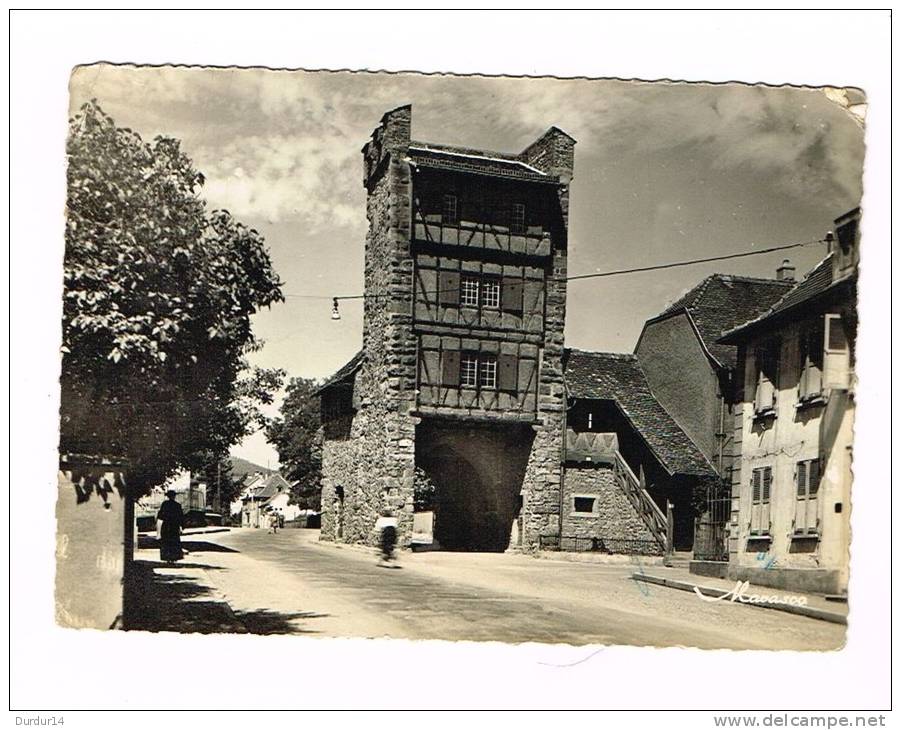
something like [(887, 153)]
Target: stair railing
[(641, 501)]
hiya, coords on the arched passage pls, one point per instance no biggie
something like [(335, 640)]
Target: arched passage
[(478, 471)]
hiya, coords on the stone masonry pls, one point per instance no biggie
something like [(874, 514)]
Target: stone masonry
[(371, 467)]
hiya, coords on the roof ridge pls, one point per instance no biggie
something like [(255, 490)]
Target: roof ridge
[(755, 279), (459, 149), (597, 353)]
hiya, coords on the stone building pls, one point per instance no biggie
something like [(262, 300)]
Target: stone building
[(461, 371), (652, 462), (692, 374), (794, 416)]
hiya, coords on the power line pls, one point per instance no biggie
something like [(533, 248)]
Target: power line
[(600, 274)]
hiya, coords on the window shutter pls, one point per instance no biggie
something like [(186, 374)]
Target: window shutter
[(755, 485), (511, 295), (449, 288), (802, 478), (450, 368), (767, 480), (814, 477), (507, 375), (836, 340)]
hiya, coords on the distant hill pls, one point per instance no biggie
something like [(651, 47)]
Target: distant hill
[(241, 468)]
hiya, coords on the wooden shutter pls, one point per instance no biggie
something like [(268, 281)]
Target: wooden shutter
[(813, 477), (449, 288), (765, 499), (755, 500), (507, 372), (801, 479), (511, 295), (450, 368), (837, 359)]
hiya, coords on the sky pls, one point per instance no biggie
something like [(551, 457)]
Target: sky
[(663, 172)]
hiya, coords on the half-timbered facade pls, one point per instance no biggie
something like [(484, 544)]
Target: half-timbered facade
[(461, 374)]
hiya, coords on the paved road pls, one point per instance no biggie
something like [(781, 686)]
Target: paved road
[(291, 583)]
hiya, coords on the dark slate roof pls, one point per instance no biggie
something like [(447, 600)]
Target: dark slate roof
[(461, 159), (723, 301), (817, 282), (619, 377), (350, 368)]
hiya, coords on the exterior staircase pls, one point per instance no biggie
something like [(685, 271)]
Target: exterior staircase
[(643, 504)]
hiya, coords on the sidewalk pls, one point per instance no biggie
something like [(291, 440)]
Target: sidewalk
[(816, 606)]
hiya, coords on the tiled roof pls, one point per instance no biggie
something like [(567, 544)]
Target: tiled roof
[(268, 488), (723, 301), (460, 159), (346, 370), (619, 377), (816, 282)]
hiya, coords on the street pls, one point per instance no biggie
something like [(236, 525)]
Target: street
[(290, 583)]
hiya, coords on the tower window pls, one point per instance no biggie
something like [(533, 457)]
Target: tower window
[(518, 218), (469, 291), (469, 370), (491, 293), (449, 210), (488, 372)]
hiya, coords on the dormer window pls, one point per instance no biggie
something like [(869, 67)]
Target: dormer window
[(449, 210)]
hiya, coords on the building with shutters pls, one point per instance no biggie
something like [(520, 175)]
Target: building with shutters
[(461, 372), (793, 428)]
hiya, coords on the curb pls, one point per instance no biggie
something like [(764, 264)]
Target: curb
[(808, 611)]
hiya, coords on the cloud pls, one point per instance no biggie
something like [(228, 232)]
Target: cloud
[(284, 146)]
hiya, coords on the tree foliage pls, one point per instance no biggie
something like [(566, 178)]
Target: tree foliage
[(158, 298), (295, 436)]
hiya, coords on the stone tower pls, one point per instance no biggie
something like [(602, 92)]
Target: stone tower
[(461, 371)]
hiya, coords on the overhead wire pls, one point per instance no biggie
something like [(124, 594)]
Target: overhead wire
[(601, 274)]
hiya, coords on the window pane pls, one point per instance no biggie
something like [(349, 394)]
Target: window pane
[(518, 218), (488, 372), (584, 505), (449, 210), (469, 292), (469, 365), (491, 293)]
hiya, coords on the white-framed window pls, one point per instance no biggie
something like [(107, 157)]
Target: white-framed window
[(518, 218), (469, 370), (810, 351), (491, 293), (761, 483), (807, 482), (488, 371), (583, 504), (469, 291), (449, 210)]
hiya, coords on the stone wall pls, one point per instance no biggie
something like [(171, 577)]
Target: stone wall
[(375, 466), (613, 522), (94, 545)]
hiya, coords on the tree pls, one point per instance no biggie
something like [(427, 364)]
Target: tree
[(158, 296), (295, 435)]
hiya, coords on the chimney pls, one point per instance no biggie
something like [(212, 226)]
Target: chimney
[(786, 272), (552, 153)]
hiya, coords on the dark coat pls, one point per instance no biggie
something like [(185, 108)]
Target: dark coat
[(172, 518)]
